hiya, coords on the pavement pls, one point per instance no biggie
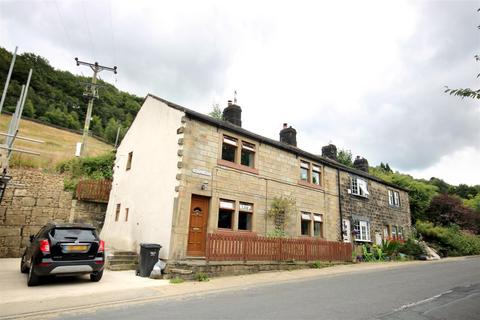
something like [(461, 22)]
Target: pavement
[(121, 288)]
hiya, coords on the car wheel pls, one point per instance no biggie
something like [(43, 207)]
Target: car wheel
[(32, 279), (96, 276), (23, 267)]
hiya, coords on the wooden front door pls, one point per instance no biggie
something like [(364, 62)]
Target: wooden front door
[(197, 230)]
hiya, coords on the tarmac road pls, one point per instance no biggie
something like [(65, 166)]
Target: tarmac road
[(448, 290)]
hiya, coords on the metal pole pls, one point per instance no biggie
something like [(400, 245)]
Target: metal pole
[(89, 112), (13, 120), (25, 95), (118, 135), (4, 94)]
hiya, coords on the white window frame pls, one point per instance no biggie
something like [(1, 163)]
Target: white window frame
[(359, 187), (363, 233), (393, 198)]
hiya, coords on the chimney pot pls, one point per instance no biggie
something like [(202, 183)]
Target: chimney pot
[(233, 114), (361, 164), (288, 135), (330, 151)]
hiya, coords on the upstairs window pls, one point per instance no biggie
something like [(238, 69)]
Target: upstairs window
[(229, 148), (393, 198), (245, 215), (129, 161), (225, 214), (248, 154), (359, 187), (316, 175), (304, 171)]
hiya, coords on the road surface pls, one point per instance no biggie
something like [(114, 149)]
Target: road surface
[(449, 290)]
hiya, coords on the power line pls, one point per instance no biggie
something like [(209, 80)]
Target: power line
[(88, 29), (65, 30)]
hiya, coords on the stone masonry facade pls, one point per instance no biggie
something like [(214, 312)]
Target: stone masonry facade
[(375, 208), (33, 198), (276, 174)]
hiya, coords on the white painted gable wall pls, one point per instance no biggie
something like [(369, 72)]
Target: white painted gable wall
[(148, 188)]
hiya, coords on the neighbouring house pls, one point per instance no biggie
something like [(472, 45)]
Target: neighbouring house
[(181, 178)]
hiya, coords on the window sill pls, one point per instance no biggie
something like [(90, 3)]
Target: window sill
[(310, 185), (393, 206), (359, 196), (231, 231), (358, 240), (237, 166)]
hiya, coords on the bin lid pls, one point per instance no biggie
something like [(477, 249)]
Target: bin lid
[(150, 245)]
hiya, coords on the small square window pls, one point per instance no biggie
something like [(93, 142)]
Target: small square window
[(229, 149), (117, 212), (129, 161)]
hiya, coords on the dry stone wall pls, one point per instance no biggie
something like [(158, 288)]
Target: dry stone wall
[(33, 198)]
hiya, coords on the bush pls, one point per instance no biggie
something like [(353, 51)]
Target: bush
[(176, 280), (96, 168), (449, 241), (202, 277), (412, 248)]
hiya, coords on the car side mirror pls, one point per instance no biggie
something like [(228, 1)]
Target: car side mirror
[(32, 237)]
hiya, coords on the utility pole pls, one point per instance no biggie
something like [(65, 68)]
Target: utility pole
[(4, 94), (91, 93)]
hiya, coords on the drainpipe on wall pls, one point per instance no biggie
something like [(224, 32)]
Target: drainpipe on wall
[(340, 205), (266, 205)]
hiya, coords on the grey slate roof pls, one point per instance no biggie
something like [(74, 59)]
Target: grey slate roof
[(280, 145)]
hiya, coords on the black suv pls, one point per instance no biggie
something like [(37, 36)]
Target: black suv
[(64, 249)]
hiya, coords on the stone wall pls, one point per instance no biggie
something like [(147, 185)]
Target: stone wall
[(376, 207), (33, 198), (276, 174)]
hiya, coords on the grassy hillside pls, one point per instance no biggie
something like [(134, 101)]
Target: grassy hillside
[(59, 144), (56, 97)]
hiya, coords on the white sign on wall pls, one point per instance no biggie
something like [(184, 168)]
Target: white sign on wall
[(202, 172)]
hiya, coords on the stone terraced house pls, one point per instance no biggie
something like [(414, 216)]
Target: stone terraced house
[(180, 175)]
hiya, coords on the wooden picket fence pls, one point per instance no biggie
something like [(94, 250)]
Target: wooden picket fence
[(238, 247), (94, 190)]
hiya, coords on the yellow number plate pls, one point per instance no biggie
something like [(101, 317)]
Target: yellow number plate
[(75, 248)]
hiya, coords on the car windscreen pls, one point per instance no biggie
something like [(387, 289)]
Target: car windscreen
[(73, 234)]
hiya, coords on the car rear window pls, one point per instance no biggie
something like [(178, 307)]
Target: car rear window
[(73, 234)]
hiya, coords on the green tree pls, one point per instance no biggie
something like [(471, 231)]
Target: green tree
[(466, 92), (344, 156), (216, 112), (420, 193), (111, 130)]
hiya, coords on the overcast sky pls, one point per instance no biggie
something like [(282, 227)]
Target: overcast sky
[(365, 75)]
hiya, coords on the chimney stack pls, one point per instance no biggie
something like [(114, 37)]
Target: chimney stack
[(330, 152), (361, 163), (288, 135), (233, 114)]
